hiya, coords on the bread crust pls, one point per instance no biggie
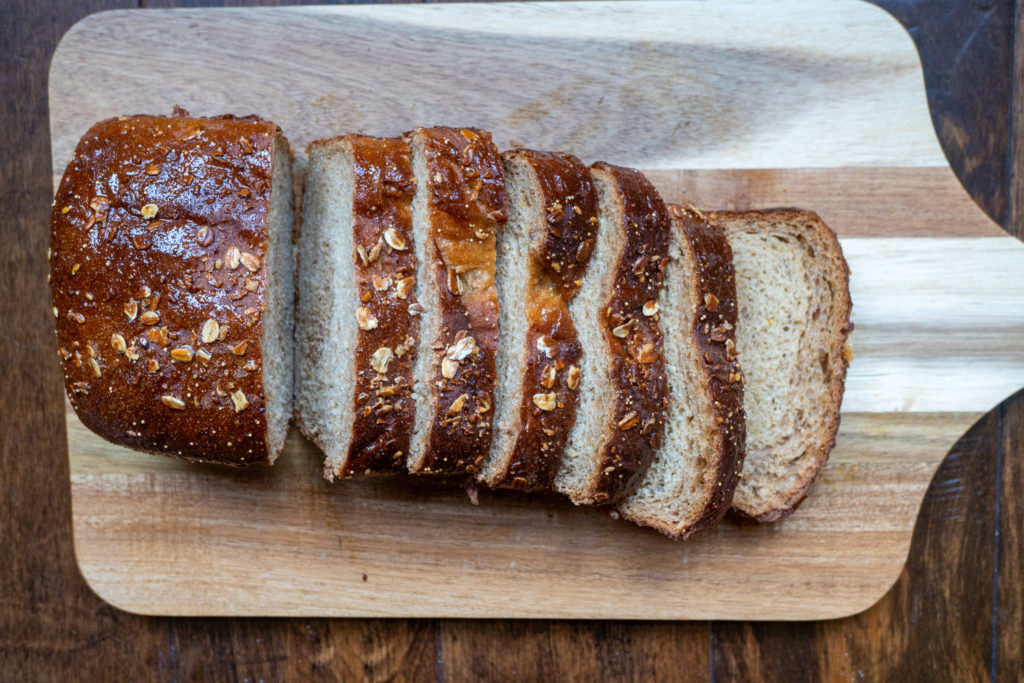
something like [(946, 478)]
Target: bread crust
[(839, 333), (158, 227), (634, 339), (553, 349), (385, 272), (465, 187), (713, 334)]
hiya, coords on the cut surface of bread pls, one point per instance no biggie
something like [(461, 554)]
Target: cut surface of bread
[(172, 277), (458, 208), (543, 253), (689, 486), (356, 336), (624, 389), (793, 294)]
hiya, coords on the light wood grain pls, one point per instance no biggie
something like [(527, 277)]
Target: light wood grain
[(828, 111)]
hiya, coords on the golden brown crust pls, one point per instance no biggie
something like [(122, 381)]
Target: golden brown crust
[(158, 245), (714, 336), (634, 338), (467, 205), (385, 272), (550, 390), (838, 359)]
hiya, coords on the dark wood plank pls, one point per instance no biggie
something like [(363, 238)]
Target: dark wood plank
[(967, 50), (935, 623), (1009, 650), (574, 651)]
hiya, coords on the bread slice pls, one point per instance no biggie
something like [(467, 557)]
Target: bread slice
[(624, 388), (543, 253), (356, 337), (172, 280), (689, 486), (458, 209), (793, 290)]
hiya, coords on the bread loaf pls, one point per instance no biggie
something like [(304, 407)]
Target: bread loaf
[(356, 336), (172, 279), (458, 209), (793, 291), (689, 486), (624, 389), (543, 253)]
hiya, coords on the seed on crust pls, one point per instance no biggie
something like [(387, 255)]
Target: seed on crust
[(404, 286), (730, 349), (95, 367), (548, 376), (380, 283), (172, 402), (159, 335), (711, 302), (628, 421), (415, 308), (233, 258), (149, 318), (545, 401), (572, 378), (203, 355), (239, 348), (131, 354), (250, 261), (394, 240), (381, 358), (152, 169), (650, 307), (182, 354), (117, 343), (622, 331), (131, 309), (150, 210), (647, 354), (240, 401), (362, 255), (461, 349), (204, 235), (375, 250), (211, 330), (547, 346), (456, 407), (449, 367), (366, 319)]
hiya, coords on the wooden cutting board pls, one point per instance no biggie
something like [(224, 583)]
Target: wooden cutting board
[(729, 104)]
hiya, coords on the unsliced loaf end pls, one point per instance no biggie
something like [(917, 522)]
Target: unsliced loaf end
[(543, 253), (689, 486), (624, 395), (794, 320), (458, 208), (171, 271)]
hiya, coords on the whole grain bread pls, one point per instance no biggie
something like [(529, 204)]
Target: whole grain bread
[(356, 337), (624, 389), (793, 291), (458, 208), (543, 253), (172, 280), (689, 486)]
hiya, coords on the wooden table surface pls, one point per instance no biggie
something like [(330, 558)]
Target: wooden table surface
[(957, 611)]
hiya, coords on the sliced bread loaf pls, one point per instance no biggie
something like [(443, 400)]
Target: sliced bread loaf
[(356, 337), (172, 275), (457, 210), (543, 253), (624, 388), (793, 294), (690, 484)]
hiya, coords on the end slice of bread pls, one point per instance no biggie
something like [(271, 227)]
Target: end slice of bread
[(357, 337), (793, 291), (690, 485), (458, 209), (543, 253), (624, 391)]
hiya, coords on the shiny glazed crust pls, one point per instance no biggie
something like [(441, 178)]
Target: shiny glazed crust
[(385, 270), (550, 390), (467, 206), (634, 338), (157, 263)]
